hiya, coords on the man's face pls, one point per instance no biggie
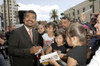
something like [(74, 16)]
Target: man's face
[(65, 23), (97, 25), (30, 20)]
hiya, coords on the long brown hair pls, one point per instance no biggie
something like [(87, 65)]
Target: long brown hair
[(79, 31)]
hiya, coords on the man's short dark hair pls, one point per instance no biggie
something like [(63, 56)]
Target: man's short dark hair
[(65, 18), (30, 11)]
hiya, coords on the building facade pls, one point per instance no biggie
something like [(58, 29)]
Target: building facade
[(10, 12), (1, 18), (13, 11), (85, 7)]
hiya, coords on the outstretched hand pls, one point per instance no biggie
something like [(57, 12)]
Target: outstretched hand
[(83, 17), (35, 49)]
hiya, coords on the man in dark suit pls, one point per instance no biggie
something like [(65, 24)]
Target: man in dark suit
[(23, 42)]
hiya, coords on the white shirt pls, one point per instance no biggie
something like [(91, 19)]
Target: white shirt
[(46, 38), (28, 30), (95, 61)]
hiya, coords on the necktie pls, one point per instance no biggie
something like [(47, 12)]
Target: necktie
[(30, 33)]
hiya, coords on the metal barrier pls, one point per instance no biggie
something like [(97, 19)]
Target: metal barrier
[(62, 63)]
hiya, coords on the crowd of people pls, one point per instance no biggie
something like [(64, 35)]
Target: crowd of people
[(77, 43)]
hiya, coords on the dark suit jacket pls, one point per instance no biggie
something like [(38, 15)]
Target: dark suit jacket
[(19, 46)]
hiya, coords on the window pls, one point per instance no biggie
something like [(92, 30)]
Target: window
[(69, 14), (73, 13), (90, 16), (78, 17), (83, 9), (78, 12), (91, 6), (10, 19), (14, 16), (10, 4), (0, 14), (10, 13), (10, 16), (1, 7), (74, 19)]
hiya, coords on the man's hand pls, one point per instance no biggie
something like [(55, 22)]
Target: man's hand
[(35, 49), (42, 52)]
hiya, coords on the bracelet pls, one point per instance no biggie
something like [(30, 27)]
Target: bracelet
[(44, 49)]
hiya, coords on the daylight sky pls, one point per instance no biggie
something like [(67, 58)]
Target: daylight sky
[(44, 7)]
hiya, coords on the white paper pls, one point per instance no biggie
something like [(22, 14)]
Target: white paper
[(47, 57), (39, 51)]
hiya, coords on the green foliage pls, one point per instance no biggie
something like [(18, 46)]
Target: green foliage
[(54, 15), (62, 14)]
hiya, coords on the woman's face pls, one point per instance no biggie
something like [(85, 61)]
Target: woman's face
[(97, 25)]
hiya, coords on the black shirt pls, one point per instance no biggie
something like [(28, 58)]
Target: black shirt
[(61, 49), (40, 39), (66, 46), (79, 53)]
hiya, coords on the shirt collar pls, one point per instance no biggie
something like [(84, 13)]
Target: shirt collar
[(27, 28)]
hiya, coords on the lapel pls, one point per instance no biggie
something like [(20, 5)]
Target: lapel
[(26, 34), (34, 36)]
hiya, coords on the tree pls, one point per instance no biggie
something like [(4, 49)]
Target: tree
[(54, 15), (92, 4), (62, 14)]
